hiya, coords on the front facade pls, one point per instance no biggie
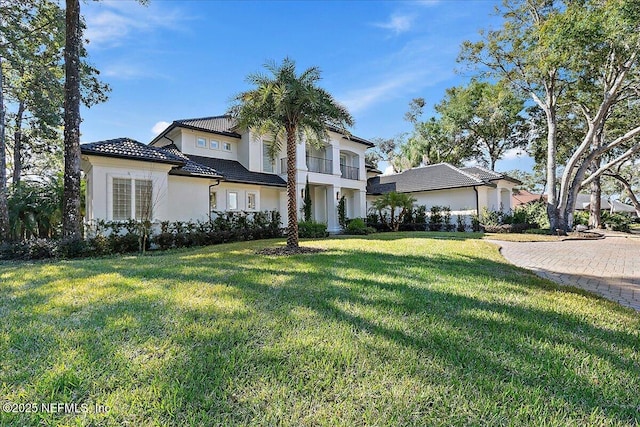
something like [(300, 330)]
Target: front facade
[(466, 191), (197, 167)]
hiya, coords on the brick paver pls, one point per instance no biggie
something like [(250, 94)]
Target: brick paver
[(609, 267)]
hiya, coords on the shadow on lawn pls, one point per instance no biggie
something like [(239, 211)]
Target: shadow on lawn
[(199, 357)]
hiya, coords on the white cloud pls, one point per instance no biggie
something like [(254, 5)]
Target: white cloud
[(159, 127), (512, 154), (397, 23), (128, 70), (388, 170), (111, 23), (361, 99), (429, 3)]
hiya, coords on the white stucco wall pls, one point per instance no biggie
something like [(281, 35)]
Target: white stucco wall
[(189, 137), (100, 172)]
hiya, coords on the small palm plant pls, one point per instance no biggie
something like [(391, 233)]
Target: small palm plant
[(394, 201), (289, 108)]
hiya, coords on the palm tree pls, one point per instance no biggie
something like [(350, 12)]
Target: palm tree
[(286, 105), (392, 201)]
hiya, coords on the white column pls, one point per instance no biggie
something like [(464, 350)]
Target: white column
[(332, 209), (360, 210), (282, 203), (335, 152)]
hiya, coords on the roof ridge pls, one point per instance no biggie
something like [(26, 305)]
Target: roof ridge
[(223, 116), (468, 175)]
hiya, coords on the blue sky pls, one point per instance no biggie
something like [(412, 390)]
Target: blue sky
[(184, 59)]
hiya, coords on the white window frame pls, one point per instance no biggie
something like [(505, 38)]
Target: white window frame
[(265, 158), (255, 201), (229, 194), (214, 144), (203, 140), (226, 146), (133, 214)]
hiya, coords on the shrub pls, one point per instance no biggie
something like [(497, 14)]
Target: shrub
[(461, 223), (616, 221), (72, 248), (357, 226), (436, 220), (311, 229)]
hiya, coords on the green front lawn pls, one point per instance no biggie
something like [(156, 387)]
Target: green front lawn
[(390, 329)]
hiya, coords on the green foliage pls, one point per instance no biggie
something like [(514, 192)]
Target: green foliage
[(357, 226), (390, 202), (312, 229), (342, 212), (616, 221), (287, 106), (35, 209), (306, 206), (436, 220)]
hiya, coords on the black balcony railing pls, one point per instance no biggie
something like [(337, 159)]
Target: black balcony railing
[(350, 172), (320, 165)]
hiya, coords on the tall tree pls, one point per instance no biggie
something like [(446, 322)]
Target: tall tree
[(487, 117), (580, 53), (4, 208), (290, 107)]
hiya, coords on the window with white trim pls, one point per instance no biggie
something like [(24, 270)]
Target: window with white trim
[(232, 203), (132, 198), (251, 201), (201, 142), (144, 194), (214, 144), (268, 165), (226, 146), (121, 199)]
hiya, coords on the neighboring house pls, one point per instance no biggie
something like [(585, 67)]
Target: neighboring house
[(465, 190), (522, 197), (197, 167), (583, 203)]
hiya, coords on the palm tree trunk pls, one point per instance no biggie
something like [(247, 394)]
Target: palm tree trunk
[(4, 209), (72, 226), (292, 201)]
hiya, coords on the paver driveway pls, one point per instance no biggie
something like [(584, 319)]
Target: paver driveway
[(609, 267)]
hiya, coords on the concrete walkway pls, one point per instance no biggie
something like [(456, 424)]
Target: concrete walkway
[(609, 267)]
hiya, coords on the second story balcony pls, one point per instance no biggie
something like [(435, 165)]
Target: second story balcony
[(314, 164), (350, 172)]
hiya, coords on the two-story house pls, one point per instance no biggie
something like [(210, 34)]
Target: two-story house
[(196, 167)]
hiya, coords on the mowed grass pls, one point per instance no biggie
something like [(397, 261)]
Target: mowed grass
[(391, 329)]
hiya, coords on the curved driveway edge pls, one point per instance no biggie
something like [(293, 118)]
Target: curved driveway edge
[(609, 267)]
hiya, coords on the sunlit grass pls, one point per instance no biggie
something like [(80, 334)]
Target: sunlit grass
[(390, 329)]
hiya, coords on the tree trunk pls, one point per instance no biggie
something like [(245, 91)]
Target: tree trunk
[(627, 186), (4, 209), (552, 210), (72, 221), (595, 214), (292, 201), (17, 145)]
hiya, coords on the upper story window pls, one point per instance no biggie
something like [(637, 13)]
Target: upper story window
[(214, 145), (226, 146), (201, 142), (268, 165)]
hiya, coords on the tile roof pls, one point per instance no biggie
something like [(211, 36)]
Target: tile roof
[(224, 125), (125, 148), (488, 175), (233, 171), (426, 178), (190, 168), (185, 165)]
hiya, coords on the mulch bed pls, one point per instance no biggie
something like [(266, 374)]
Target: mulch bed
[(582, 235), (285, 251)]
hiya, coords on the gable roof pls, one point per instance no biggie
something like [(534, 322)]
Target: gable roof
[(523, 197), (126, 148), (425, 178), (226, 125)]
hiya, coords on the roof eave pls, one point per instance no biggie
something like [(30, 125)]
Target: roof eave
[(125, 157)]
